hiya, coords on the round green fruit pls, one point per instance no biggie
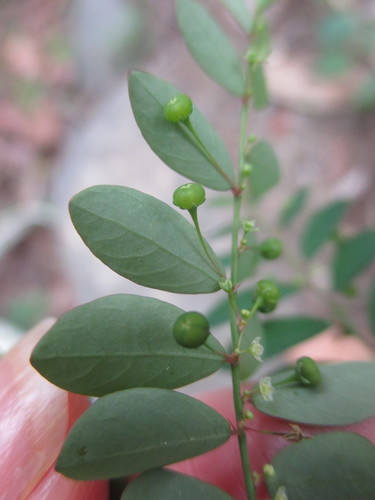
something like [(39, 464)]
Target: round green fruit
[(178, 109), (271, 248), (269, 294), (189, 196), (191, 329), (308, 372)]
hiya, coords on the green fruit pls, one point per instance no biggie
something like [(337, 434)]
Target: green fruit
[(178, 109), (189, 196), (191, 329), (271, 248), (308, 372), (269, 294)]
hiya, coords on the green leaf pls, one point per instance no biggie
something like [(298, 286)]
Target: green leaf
[(332, 465), (119, 342), (353, 256), (240, 13), (321, 227), (164, 484), (266, 170), (293, 207), (345, 396), (139, 429), (371, 307), (172, 142), (334, 30), (333, 63), (143, 239), (209, 46), (282, 333), (258, 84)]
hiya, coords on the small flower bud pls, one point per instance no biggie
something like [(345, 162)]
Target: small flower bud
[(268, 470), (245, 313), (249, 415), (247, 169), (226, 285)]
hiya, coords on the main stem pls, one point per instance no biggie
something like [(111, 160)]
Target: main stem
[(235, 369)]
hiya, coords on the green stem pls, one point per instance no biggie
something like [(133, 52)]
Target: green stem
[(235, 230), (243, 137), (242, 440), (238, 406), (194, 215), (233, 308), (202, 148)]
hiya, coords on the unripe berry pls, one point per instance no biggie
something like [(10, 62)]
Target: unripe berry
[(308, 372), (271, 248), (178, 109), (191, 329), (189, 196), (269, 294)]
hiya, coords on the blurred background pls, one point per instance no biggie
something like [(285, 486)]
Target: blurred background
[(66, 124)]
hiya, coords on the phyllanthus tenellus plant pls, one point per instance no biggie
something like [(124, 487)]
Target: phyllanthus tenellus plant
[(132, 352)]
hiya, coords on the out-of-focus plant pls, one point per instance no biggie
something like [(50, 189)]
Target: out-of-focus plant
[(346, 44), (132, 351)]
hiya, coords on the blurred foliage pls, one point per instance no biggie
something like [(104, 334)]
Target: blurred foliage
[(346, 43)]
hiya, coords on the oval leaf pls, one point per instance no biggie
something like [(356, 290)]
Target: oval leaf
[(346, 396), (139, 429), (371, 307), (209, 46), (282, 333), (239, 12), (266, 170), (164, 484), (293, 207), (333, 465), (321, 227), (142, 239), (172, 142), (352, 258), (119, 342)]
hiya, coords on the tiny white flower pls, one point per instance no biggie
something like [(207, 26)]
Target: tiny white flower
[(256, 349), (281, 494), (266, 388)]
